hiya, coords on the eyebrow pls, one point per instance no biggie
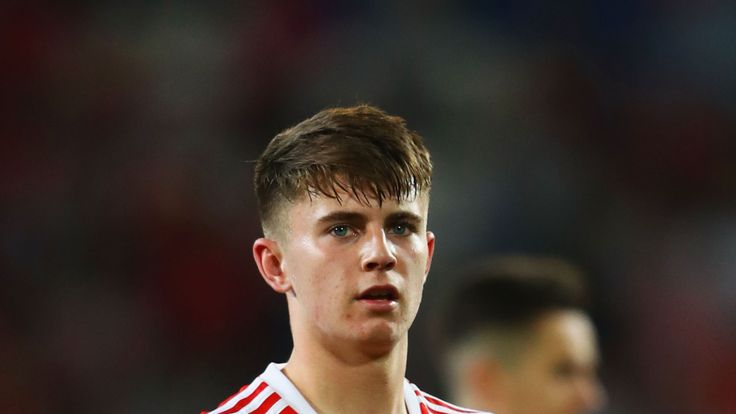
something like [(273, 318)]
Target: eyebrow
[(342, 216), (404, 216), (358, 218)]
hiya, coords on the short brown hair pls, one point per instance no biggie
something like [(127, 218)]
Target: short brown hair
[(361, 150), (512, 291)]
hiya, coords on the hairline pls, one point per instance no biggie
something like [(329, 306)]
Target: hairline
[(507, 342)]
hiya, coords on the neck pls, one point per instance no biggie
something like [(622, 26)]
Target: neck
[(358, 382)]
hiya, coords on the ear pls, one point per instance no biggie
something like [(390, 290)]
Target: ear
[(430, 252), (485, 381), (267, 255)]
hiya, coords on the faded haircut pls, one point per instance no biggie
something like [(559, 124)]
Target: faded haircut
[(503, 296), (361, 150)]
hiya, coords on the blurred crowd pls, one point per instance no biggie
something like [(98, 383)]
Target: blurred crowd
[(600, 131)]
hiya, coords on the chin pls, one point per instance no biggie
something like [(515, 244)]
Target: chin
[(381, 336)]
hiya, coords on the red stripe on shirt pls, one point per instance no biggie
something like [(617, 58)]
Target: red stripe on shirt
[(267, 404), (439, 402), (233, 396), (423, 407), (242, 403), (433, 411), (288, 410)]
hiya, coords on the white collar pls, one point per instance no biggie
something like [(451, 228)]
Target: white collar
[(286, 389)]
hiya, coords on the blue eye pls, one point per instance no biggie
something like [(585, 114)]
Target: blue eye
[(399, 229), (340, 231)]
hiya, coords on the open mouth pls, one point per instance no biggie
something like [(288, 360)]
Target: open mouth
[(380, 293)]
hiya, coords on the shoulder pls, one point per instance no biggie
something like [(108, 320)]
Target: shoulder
[(269, 392), (245, 394), (430, 404), (255, 397)]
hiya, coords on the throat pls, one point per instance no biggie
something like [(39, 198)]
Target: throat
[(333, 385)]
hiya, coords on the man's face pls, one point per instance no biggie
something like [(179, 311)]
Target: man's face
[(557, 372), (355, 272)]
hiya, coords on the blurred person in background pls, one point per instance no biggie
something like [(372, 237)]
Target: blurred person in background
[(343, 199), (520, 340)]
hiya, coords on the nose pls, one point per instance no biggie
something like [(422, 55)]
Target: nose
[(377, 253)]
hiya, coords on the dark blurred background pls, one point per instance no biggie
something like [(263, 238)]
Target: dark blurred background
[(601, 131)]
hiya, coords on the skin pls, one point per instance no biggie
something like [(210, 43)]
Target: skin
[(348, 351), (555, 374)]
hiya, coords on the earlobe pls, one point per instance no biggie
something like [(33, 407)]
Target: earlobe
[(430, 253), (268, 258), (484, 380)]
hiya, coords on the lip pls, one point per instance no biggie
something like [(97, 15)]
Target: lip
[(380, 305)]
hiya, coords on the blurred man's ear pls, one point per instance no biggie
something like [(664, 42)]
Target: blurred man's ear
[(268, 257), (487, 381)]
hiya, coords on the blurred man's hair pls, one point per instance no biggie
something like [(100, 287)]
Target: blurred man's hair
[(501, 298), (359, 150)]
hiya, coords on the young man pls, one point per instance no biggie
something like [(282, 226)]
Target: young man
[(343, 199), (520, 341)]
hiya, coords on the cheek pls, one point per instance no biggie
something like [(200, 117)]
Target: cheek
[(558, 393), (415, 252), (534, 388), (302, 261), (320, 285)]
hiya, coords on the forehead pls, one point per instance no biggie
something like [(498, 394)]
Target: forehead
[(564, 334)]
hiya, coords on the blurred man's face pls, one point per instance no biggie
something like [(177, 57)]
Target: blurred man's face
[(556, 373)]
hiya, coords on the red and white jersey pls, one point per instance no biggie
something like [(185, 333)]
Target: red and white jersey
[(273, 393)]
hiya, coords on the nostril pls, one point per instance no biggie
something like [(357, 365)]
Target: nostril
[(384, 265)]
